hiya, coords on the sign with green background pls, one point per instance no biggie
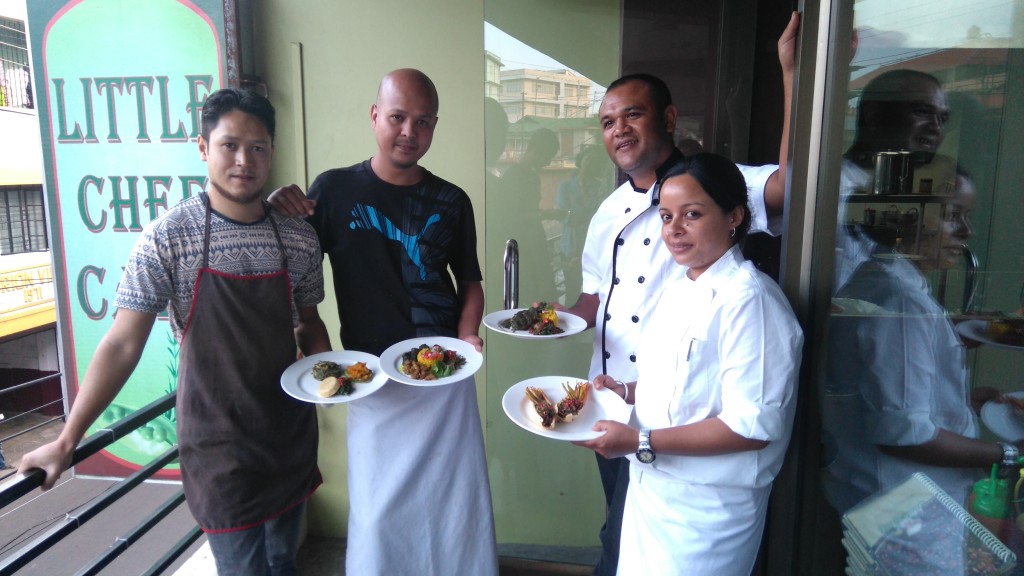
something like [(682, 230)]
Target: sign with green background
[(120, 86)]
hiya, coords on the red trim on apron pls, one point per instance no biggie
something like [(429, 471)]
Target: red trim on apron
[(248, 450)]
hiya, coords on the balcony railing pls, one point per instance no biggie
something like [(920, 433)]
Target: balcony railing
[(15, 75), (22, 484)]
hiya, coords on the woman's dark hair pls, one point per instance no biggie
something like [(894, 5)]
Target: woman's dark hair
[(228, 99), (720, 179)]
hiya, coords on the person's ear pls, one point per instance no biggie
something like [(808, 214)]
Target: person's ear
[(671, 112), (204, 149), (736, 217)]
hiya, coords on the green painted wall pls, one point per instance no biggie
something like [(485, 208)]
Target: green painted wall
[(544, 491)]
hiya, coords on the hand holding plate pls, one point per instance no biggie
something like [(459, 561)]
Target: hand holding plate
[(617, 439)]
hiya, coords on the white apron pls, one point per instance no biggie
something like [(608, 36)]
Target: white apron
[(671, 527), (673, 524), (417, 476)]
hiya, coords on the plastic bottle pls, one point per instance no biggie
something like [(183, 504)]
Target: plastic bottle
[(990, 504)]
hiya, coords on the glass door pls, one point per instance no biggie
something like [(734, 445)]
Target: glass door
[(546, 68), (915, 281)]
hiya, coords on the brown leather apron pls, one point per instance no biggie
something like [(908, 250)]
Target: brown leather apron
[(248, 450)]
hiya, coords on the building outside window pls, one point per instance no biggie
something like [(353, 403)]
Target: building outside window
[(15, 84), (22, 220)]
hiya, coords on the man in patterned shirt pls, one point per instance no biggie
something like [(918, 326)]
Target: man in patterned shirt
[(240, 285)]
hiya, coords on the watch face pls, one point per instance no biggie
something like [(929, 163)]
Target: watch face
[(645, 455)]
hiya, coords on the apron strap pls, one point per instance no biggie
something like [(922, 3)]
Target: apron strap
[(206, 233), (277, 234)]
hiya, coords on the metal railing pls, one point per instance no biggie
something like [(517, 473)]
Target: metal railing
[(16, 417), (20, 485)]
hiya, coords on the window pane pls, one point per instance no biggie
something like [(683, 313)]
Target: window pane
[(925, 330), (22, 220)]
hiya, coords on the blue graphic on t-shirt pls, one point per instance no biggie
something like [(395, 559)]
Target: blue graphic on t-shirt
[(367, 217)]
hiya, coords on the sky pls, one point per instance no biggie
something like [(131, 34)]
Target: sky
[(13, 9), (515, 54), (937, 23), (894, 31)]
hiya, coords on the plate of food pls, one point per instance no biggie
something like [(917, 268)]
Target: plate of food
[(1005, 419), (535, 322), (999, 332), (562, 407), (333, 377), (430, 361)]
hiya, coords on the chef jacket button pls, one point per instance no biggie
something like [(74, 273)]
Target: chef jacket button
[(607, 317), (641, 279), (620, 241), (628, 210), (647, 241), (635, 319), (615, 281), (607, 355), (632, 357)]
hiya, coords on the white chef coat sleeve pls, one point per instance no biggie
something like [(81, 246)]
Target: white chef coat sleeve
[(760, 347), (899, 391), (757, 178)]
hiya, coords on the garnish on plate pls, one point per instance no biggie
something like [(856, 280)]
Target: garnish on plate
[(431, 362), (574, 401), (543, 407), (337, 380), (567, 409), (539, 320)]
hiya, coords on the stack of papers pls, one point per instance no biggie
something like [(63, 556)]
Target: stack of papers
[(915, 528)]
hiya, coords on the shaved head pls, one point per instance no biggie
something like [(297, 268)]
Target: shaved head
[(408, 81), (403, 120)]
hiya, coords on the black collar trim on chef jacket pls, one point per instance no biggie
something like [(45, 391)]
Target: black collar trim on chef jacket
[(674, 158)]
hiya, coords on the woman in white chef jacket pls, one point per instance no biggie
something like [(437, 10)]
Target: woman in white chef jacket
[(715, 393)]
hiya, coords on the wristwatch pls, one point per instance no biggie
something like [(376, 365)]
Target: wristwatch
[(1010, 454), (643, 452)]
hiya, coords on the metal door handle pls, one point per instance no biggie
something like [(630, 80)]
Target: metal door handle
[(970, 278), (511, 261)]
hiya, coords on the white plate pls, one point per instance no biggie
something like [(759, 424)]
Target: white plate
[(897, 256), (391, 360), (852, 307), (298, 382), (1003, 419), (570, 323), (601, 405), (977, 330)]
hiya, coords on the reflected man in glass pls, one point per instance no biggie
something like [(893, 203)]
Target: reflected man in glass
[(897, 397)]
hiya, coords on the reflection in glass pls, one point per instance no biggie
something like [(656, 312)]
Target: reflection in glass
[(928, 237), (543, 66), (548, 118)]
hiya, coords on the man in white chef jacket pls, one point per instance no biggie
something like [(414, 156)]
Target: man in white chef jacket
[(624, 264)]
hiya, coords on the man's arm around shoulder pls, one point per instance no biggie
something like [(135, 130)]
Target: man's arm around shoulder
[(290, 201)]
